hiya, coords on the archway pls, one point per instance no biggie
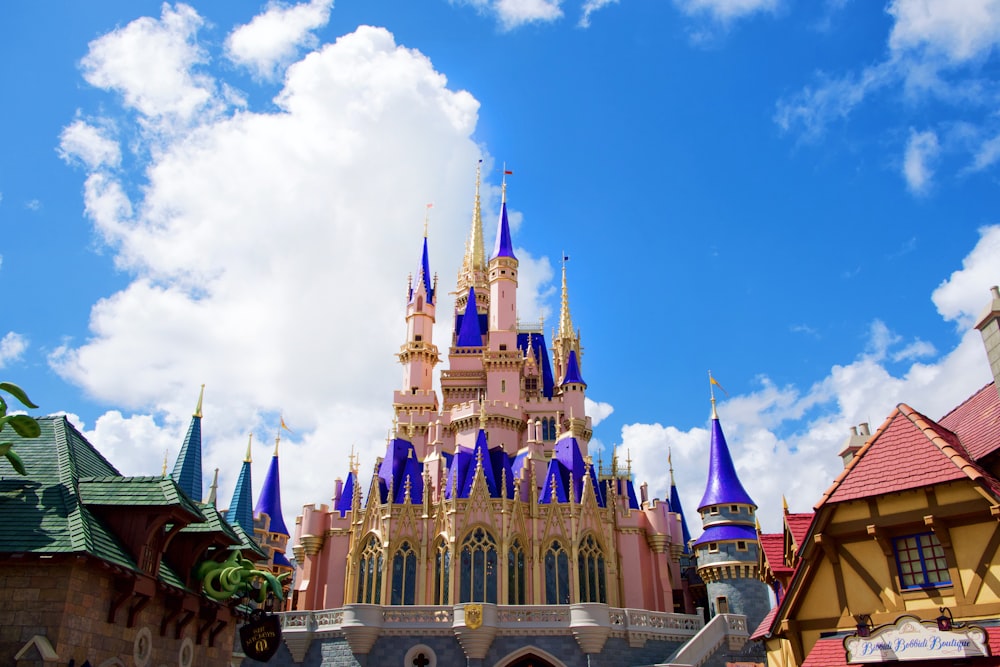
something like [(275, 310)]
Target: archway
[(530, 656)]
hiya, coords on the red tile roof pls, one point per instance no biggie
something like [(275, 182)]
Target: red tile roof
[(798, 524), (977, 422), (773, 546), (764, 629), (909, 451)]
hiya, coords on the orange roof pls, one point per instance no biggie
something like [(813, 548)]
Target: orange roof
[(909, 451), (773, 546), (977, 422)]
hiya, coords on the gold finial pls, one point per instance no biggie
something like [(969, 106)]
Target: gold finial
[(164, 473), (756, 523), (784, 503), (201, 395), (352, 463), (628, 461), (475, 254), (247, 458), (565, 321), (427, 217), (277, 441), (712, 383)]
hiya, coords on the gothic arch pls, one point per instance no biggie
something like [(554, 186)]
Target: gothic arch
[(592, 569), (369, 565), (522, 657), (478, 555)]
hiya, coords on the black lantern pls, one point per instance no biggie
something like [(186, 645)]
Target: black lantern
[(864, 625), (945, 621)]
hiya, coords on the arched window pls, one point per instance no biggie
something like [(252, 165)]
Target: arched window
[(404, 575), (370, 572), (556, 574), (515, 573), (478, 573), (593, 586), (442, 570)]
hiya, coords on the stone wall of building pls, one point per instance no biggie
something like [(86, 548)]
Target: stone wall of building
[(67, 603)]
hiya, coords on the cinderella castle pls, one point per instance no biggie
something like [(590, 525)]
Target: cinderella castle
[(488, 536)]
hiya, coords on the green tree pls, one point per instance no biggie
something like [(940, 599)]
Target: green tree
[(23, 425)]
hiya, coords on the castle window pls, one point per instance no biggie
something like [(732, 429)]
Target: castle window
[(531, 384), (556, 574), (503, 347), (713, 547), (503, 386), (714, 509), (404, 575), (515, 573), (370, 572), (478, 573), (418, 338), (921, 562), (735, 509), (442, 570), (722, 605), (741, 545), (593, 584)]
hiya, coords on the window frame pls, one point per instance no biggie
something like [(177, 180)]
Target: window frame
[(898, 544)]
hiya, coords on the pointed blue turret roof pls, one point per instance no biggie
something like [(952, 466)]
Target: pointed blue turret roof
[(480, 456), (400, 464), (425, 275), (568, 460), (503, 246), (187, 468), (346, 501), (724, 487), (469, 335), (572, 371), (675, 506), (269, 502), (241, 508)]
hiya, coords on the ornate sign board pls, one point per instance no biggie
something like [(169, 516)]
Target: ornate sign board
[(909, 638), (261, 636), (473, 616)]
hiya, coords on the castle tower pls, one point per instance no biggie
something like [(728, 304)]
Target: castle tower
[(416, 401), (269, 527), (726, 552), (566, 339), (187, 468)]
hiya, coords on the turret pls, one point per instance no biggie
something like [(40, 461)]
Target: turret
[(269, 521), (503, 284), (418, 354), (187, 468), (727, 549)]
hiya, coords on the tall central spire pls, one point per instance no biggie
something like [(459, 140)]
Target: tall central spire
[(474, 262), (565, 321)]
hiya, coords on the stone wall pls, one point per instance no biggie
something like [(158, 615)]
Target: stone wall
[(67, 603)]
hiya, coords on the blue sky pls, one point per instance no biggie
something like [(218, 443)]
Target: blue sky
[(795, 195)]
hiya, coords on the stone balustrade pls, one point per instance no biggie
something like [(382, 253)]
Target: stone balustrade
[(590, 624)]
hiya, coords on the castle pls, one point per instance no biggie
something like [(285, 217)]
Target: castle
[(488, 534)]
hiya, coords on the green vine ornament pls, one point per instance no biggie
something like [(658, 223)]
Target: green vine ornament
[(23, 425), (238, 576)]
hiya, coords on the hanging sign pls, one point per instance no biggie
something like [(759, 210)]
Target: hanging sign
[(909, 638), (261, 636)]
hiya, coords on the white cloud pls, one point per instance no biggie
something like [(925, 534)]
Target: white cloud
[(269, 254), (727, 10), (82, 141), (272, 39), (777, 429), (957, 31), (922, 150), (12, 347), (987, 154), (962, 297), (591, 6), (151, 63), (597, 411), (514, 13)]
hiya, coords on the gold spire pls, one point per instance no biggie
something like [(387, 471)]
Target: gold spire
[(475, 253), (427, 217), (247, 458), (670, 464), (164, 473), (277, 441), (784, 503), (201, 395), (565, 321), (711, 390)]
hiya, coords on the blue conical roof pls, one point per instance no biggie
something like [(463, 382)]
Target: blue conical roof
[(572, 370), (187, 468), (346, 501), (675, 506), (469, 334), (503, 246), (269, 502), (241, 508), (425, 275), (724, 487), (480, 457)]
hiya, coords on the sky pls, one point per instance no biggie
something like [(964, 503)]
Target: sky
[(797, 196)]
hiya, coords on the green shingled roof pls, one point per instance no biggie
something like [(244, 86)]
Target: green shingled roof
[(118, 491)]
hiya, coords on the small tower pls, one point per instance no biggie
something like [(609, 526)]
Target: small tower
[(726, 552), (418, 354), (270, 531), (187, 468), (240, 512), (503, 284)]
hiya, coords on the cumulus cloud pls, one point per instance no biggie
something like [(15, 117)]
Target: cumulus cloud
[(152, 64), (776, 429), (91, 145), (956, 31), (12, 347), (262, 242), (726, 10), (272, 39), (598, 411), (922, 149), (591, 6), (512, 14)]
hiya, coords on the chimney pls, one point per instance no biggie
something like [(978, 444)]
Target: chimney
[(989, 327), (855, 441)]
